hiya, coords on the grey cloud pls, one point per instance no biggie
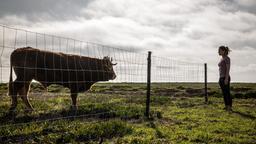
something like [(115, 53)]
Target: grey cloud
[(47, 9), (246, 5), (197, 35), (187, 30), (243, 44), (240, 5)]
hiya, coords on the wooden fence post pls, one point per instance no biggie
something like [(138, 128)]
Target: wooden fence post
[(148, 84), (205, 83)]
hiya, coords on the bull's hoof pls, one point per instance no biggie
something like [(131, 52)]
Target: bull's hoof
[(11, 113), (73, 108), (12, 110)]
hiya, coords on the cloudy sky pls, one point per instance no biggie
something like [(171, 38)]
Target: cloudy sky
[(187, 30)]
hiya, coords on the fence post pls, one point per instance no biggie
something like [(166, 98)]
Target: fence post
[(205, 83), (148, 84)]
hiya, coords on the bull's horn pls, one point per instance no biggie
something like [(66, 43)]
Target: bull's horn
[(114, 64)]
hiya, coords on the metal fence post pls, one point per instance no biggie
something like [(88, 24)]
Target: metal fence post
[(148, 84), (205, 83)]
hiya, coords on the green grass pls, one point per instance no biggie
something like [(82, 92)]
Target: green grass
[(114, 113)]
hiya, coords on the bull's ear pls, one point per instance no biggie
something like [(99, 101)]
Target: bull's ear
[(106, 58)]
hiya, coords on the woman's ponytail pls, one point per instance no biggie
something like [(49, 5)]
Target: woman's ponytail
[(225, 49)]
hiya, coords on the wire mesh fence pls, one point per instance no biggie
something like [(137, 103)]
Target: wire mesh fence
[(168, 73), (64, 62)]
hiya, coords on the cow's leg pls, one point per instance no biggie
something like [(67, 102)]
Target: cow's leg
[(74, 97), (23, 92), (14, 87), (13, 95)]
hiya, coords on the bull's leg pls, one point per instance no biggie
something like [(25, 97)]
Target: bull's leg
[(74, 97), (23, 92), (13, 95), (13, 90)]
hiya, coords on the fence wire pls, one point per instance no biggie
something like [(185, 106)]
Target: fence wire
[(114, 96)]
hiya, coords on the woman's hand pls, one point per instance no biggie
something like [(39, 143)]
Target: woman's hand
[(226, 81)]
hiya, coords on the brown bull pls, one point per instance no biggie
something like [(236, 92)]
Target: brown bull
[(75, 72)]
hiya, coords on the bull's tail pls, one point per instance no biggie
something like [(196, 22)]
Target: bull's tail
[(10, 80)]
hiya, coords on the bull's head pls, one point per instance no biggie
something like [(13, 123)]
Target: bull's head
[(108, 68)]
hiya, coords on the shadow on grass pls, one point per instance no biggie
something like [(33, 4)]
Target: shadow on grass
[(25, 137), (245, 115), (96, 132), (89, 111), (192, 104)]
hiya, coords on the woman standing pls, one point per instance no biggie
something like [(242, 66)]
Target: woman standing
[(224, 80)]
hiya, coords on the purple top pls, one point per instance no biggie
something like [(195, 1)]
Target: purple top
[(223, 66)]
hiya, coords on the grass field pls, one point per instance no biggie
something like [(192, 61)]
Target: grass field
[(114, 113)]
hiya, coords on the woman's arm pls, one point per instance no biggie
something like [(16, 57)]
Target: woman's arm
[(227, 70)]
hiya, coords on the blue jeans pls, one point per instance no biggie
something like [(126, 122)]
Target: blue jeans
[(226, 91)]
